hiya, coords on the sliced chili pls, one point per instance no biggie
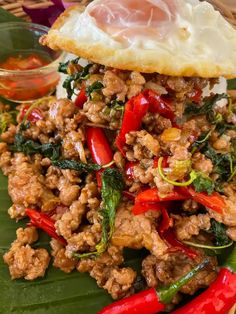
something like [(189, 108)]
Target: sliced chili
[(158, 104), (34, 115), (135, 110), (81, 98)]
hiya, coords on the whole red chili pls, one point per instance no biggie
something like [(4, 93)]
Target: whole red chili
[(220, 297), (44, 222), (151, 301), (100, 149)]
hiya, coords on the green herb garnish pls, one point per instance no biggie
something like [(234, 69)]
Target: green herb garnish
[(30, 147), (72, 79), (219, 231), (76, 165), (203, 183), (112, 186), (207, 107), (95, 87)]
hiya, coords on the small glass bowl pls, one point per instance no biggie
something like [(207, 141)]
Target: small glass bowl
[(22, 38)]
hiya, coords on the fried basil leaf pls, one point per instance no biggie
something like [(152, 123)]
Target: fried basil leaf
[(112, 186), (95, 87), (75, 165), (30, 147), (219, 231), (207, 108)]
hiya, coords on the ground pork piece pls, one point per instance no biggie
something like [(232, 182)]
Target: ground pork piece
[(158, 272), (144, 145), (143, 174), (93, 111), (28, 235), (163, 187), (16, 211), (59, 111), (190, 206), (222, 144), (73, 145), (135, 84), (119, 160), (117, 281), (26, 185), (61, 261), (137, 232), (156, 123), (186, 227), (68, 192), (87, 238), (70, 220), (231, 233), (52, 177), (228, 217), (5, 162), (84, 241), (9, 135), (201, 163), (23, 261), (114, 85)]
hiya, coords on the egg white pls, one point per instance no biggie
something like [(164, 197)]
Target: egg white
[(201, 43)]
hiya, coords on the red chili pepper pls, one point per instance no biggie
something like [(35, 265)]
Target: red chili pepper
[(214, 201), (165, 163), (151, 301), (196, 95), (34, 115), (158, 104), (140, 208), (176, 245), (129, 195), (129, 169), (166, 221), (81, 98), (135, 110), (152, 196), (44, 222), (220, 297), (99, 148)]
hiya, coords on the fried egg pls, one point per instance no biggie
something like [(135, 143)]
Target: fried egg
[(171, 37)]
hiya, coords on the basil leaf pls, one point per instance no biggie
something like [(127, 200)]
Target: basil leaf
[(95, 87), (76, 165), (30, 147), (207, 108), (203, 184), (112, 186), (219, 231)]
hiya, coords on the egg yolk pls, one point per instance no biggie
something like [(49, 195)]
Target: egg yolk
[(126, 19)]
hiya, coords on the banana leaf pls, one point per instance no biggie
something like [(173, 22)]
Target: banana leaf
[(231, 84)]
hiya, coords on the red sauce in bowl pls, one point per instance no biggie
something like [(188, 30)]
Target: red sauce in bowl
[(25, 87)]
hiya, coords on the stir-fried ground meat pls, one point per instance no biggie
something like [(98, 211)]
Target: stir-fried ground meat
[(106, 271), (158, 272), (89, 234), (137, 232), (23, 260), (186, 227)]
